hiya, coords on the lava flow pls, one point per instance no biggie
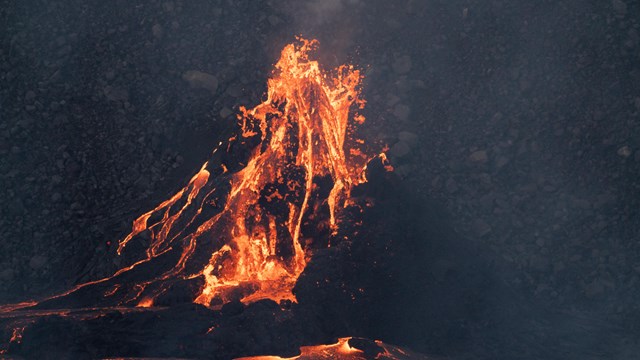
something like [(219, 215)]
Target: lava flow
[(302, 127), (246, 224), (344, 350)]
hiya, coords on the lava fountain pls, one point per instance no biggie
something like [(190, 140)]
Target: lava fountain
[(246, 227), (302, 127), (243, 228)]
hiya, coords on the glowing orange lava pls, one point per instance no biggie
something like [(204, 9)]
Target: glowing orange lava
[(242, 231), (302, 128), (239, 228), (16, 336), (342, 350), (303, 124)]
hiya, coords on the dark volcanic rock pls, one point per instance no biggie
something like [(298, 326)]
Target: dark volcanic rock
[(97, 126)]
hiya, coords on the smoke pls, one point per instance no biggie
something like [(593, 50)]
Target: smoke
[(314, 14), (334, 22)]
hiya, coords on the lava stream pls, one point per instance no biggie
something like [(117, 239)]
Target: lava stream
[(245, 229)]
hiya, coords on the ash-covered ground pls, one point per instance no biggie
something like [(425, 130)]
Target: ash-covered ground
[(519, 122)]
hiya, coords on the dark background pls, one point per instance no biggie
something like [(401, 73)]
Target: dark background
[(520, 120)]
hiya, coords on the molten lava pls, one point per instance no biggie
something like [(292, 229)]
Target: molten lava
[(343, 350), (248, 221), (302, 136), (245, 225)]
